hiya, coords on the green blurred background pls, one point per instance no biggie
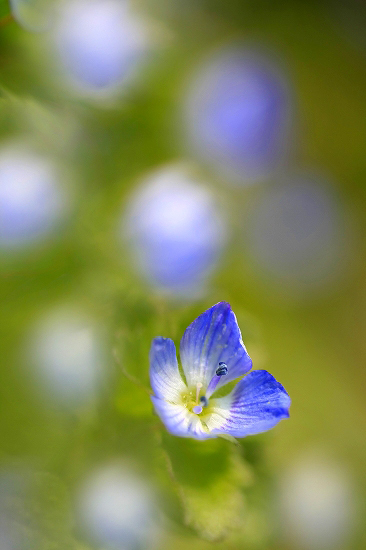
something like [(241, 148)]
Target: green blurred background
[(211, 494)]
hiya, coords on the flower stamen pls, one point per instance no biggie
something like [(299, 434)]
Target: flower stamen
[(220, 371)]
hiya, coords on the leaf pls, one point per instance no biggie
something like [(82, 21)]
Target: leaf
[(209, 477)]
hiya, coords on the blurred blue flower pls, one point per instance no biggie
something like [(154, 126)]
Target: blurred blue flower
[(99, 43), (296, 234), (118, 510), (66, 350), (317, 502), (237, 114), (212, 354), (31, 199), (176, 232)]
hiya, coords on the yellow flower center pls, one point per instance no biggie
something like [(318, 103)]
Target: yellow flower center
[(195, 401)]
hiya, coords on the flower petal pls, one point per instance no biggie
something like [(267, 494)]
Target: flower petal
[(165, 377), (256, 404), (213, 337), (179, 421)]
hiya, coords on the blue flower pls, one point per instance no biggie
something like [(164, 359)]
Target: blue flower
[(99, 43), (212, 354), (238, 113), (296, 233), (176, 232), (32, 200)]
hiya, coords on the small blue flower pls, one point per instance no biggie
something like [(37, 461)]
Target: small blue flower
[(212, 354), (99, 43), (237, 114), (295, 233), (176, 232), (32, 201)]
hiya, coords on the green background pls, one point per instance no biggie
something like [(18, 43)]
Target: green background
[(314, 343)]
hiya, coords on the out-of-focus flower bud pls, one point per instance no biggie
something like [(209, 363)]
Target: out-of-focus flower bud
[(237, 114), (176, 231), (67, 356), (32, 200), (99, 44), (295, 234), (318, 505), (117, 509)]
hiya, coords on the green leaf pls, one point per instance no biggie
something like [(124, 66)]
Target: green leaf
[(209, 477)]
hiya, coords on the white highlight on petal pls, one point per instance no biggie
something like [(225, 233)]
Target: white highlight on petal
[(175, 231), (117, 508), (179, 420), (218, 416), (32, 200), (100, 44)]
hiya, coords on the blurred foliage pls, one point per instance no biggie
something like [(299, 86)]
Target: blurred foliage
[(4, 11), (210, 481), (314, 345), (38, 512)]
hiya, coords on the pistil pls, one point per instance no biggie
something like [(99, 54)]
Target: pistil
[(197, 409), (198, 389)]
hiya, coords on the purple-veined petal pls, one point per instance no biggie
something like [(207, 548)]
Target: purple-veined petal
[(179, 420), (256, 404), (165, 377), (212, 338)]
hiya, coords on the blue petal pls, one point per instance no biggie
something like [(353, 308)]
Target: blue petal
[(179, 421), (165, 377), (257, 404), (213, 337)]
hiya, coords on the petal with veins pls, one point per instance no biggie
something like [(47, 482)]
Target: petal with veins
[(212, 338), (165, 377), (257, 404)]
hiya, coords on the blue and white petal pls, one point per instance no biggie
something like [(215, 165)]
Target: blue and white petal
[(165, 377), (213, 337), (257, 403), (179, 420)]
